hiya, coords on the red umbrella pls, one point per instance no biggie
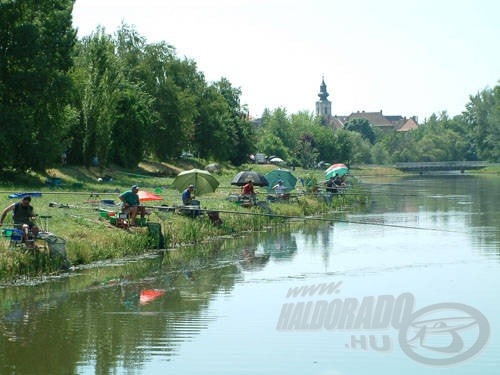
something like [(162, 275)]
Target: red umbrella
[(147, 196)]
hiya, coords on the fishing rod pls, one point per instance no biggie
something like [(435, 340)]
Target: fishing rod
[(166, 209), (64, 192), (353, 193), (304, 218)]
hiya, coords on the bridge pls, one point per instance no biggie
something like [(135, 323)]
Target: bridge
[(440, 166)]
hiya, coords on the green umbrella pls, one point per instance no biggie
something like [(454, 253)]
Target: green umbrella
[(289, 180), (202, 180)]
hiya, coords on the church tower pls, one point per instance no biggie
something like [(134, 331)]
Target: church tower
[(323, 105)]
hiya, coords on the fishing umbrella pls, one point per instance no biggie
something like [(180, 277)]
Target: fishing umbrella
[(289, 180), (339, 169), (243, 177), (276, 160), (148, 196), (202, 180)]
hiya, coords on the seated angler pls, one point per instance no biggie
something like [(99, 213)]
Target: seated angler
[(280, 190), (188, 200), (188, 195), (23, 215), (331, 186), (247, 191), (132, 205)]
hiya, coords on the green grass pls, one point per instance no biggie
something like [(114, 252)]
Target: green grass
[(491, 169), (75, 216)]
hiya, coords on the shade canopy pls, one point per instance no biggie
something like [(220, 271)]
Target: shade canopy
[(203, 181), (148, 196), (338, 169), (289, 180), (276, 160), (243, 177)]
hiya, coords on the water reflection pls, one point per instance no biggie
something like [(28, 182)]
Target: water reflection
[(108, 322), (180, 306), (462, 203), (122, 315), (280, 246)]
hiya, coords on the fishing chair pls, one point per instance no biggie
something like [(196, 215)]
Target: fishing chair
[(124, 216)]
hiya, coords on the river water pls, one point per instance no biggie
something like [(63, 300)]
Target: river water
[(409, 284)]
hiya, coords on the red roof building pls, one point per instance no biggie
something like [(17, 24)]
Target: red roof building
[(377, 119)]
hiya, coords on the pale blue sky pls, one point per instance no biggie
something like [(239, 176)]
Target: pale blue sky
[(404, 57)]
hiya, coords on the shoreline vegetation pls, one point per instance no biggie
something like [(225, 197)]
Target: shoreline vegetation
[(74, 213)]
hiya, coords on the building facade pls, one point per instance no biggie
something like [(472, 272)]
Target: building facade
[(377, 119)]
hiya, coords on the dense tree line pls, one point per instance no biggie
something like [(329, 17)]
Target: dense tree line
[(136, 100), (472, 135), (36, 42), (117, 99), (105, 98)]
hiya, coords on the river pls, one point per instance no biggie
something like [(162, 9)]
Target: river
[(406, 285)]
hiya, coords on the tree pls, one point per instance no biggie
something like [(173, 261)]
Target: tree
[(36, 40), (363, 127), (306, 152), (213, 131), (360, 149), (482, 116), (99, 70), (279, 125), (239, 129), (272, 145), (129, 133), (379, 155), (177, 88)]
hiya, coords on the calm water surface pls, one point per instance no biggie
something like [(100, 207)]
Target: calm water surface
[(410, 285)]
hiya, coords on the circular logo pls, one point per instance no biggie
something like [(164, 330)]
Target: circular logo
[(444, 334)]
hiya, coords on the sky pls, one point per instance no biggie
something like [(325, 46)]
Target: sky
[(402, 57)]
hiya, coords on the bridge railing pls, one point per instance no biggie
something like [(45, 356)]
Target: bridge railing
[(441, 165)]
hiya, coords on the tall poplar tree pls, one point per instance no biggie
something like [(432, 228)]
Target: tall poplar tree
[(36, 40)]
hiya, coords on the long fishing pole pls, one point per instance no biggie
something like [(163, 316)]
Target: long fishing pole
[(304, 218), (65, 192), (288, 217)]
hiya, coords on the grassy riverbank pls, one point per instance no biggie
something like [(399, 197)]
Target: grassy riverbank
[(74, 212)]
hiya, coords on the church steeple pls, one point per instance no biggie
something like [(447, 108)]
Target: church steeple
[(323, 94), (323, 105)]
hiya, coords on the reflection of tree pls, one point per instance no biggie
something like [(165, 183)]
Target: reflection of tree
[(96, 320), (317, 233), (487, 190), (280, 245), (103, 325), (442, 198), (32, 341), (252, 261)]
